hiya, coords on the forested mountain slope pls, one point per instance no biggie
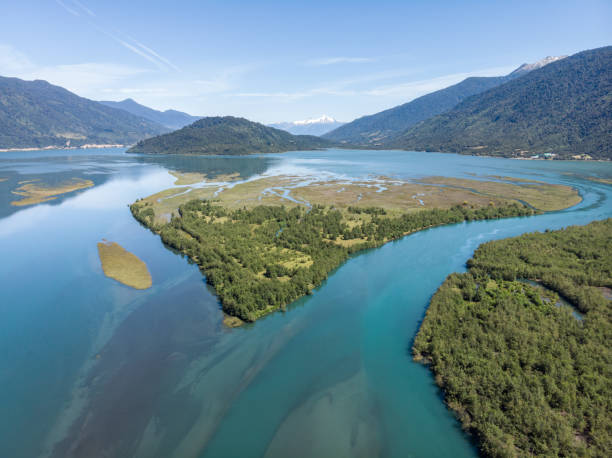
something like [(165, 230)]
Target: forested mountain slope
[(564, 108), (39, 114)]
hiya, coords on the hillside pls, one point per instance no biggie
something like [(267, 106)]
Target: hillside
[(317, 126), (564, 108), (38, 114), (228, 135), (382, 127), (171, 119)]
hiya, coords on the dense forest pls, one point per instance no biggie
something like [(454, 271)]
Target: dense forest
[(38, 114), (228, 135), (562, 108), (526, 375), (261, 259), (380, 128)]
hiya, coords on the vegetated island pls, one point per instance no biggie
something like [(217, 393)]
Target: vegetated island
[(260, 255), (36, 193), (228, 135), (526, 376), (123, 266)]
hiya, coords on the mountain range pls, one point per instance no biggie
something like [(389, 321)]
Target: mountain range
[(38, 114), (171, 119), (383, 127), (315, 126), (560, 106), (228, 135), (563, 109)]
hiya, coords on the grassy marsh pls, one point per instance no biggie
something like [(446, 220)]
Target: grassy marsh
[(395, 196), (123, 266), (34, 193)]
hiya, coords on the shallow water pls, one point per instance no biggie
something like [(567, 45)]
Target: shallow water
[(90, 366)]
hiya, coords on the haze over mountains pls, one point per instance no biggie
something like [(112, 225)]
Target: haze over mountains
[(315, 126), (228, 135), (383, 127), (38, 114), (171, 119)]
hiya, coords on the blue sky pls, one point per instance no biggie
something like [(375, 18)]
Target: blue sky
[(282, 61)]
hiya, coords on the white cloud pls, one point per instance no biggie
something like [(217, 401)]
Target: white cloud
[(282, 95), (67, 8), (124, 40), (402, 91), (338, 60), (86, 78), (156, 55), (13, 61), (84, 8), (413, 89)]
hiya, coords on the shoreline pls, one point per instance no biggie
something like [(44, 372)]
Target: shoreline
[(50, 148), (102, 146)]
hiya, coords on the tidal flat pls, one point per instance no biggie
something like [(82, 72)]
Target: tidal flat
[(394, 195), (33, 192)]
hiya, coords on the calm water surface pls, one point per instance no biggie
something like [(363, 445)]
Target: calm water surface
[(89, 367)]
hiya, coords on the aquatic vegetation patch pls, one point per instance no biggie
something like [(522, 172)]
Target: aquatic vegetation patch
[(123, 266), (601, 180), (33, 192), (540, 195), (185, 178), (384, 192)]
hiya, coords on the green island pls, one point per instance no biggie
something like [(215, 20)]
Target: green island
[(264, 243), (123, 266), (526, 375), (228, 135)]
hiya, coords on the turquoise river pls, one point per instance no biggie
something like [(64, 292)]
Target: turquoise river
[(92, 368)]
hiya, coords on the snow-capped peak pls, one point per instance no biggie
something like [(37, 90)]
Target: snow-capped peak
[(322, 120), (314, 126), (539, 64)]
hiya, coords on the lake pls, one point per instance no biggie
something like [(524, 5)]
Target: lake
[(90, 367)]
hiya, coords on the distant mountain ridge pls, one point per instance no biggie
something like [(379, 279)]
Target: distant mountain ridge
[(37, 114), (314, 126), (172, 119), (228, 135), (563, 108), (382, 128)]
